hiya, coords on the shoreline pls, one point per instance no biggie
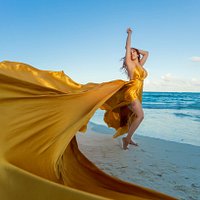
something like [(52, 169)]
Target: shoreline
[(166, 166), (102, 129)]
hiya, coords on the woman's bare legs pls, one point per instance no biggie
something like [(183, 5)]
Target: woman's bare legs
[(137, 108)]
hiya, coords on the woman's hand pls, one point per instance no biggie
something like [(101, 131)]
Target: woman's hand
[(129, 31)]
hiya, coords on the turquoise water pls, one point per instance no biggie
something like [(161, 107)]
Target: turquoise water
[(173, 116)]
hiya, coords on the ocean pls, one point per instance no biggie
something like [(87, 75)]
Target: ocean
[(173, 116)]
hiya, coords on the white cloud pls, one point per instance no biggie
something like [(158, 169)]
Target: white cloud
[(170, 79), (195, 58), (167, 77), (195, 81), (168, 82)]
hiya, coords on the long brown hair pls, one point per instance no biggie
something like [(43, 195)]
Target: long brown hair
[(124, 66)]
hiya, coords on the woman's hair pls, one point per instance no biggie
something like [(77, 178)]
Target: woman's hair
[(124, 66)]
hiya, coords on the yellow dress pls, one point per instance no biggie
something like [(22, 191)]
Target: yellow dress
[(117, 114), (41, 112)]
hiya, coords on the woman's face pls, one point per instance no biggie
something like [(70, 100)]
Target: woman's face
[(134, 54)]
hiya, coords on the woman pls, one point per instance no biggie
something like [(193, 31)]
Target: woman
[(42, 111), (131, 64)]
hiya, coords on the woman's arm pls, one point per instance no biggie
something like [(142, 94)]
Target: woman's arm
[(128, 46), (145, 55)]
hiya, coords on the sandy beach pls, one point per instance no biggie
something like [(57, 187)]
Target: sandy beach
[(169, 167)]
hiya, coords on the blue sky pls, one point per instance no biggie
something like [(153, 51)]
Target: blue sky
[(86, 38)]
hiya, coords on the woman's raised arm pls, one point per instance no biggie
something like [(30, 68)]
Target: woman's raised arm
[(145, 55), (128, 46)]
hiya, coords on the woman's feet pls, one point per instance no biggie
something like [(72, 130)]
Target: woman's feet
[(133, 143), (125, 143)]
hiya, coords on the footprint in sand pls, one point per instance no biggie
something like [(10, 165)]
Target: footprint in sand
[(195, 185), (181, 188)]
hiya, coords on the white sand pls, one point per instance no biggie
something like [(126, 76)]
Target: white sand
[(169, 167)]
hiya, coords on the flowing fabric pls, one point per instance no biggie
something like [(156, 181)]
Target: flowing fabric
[(41, 112)]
